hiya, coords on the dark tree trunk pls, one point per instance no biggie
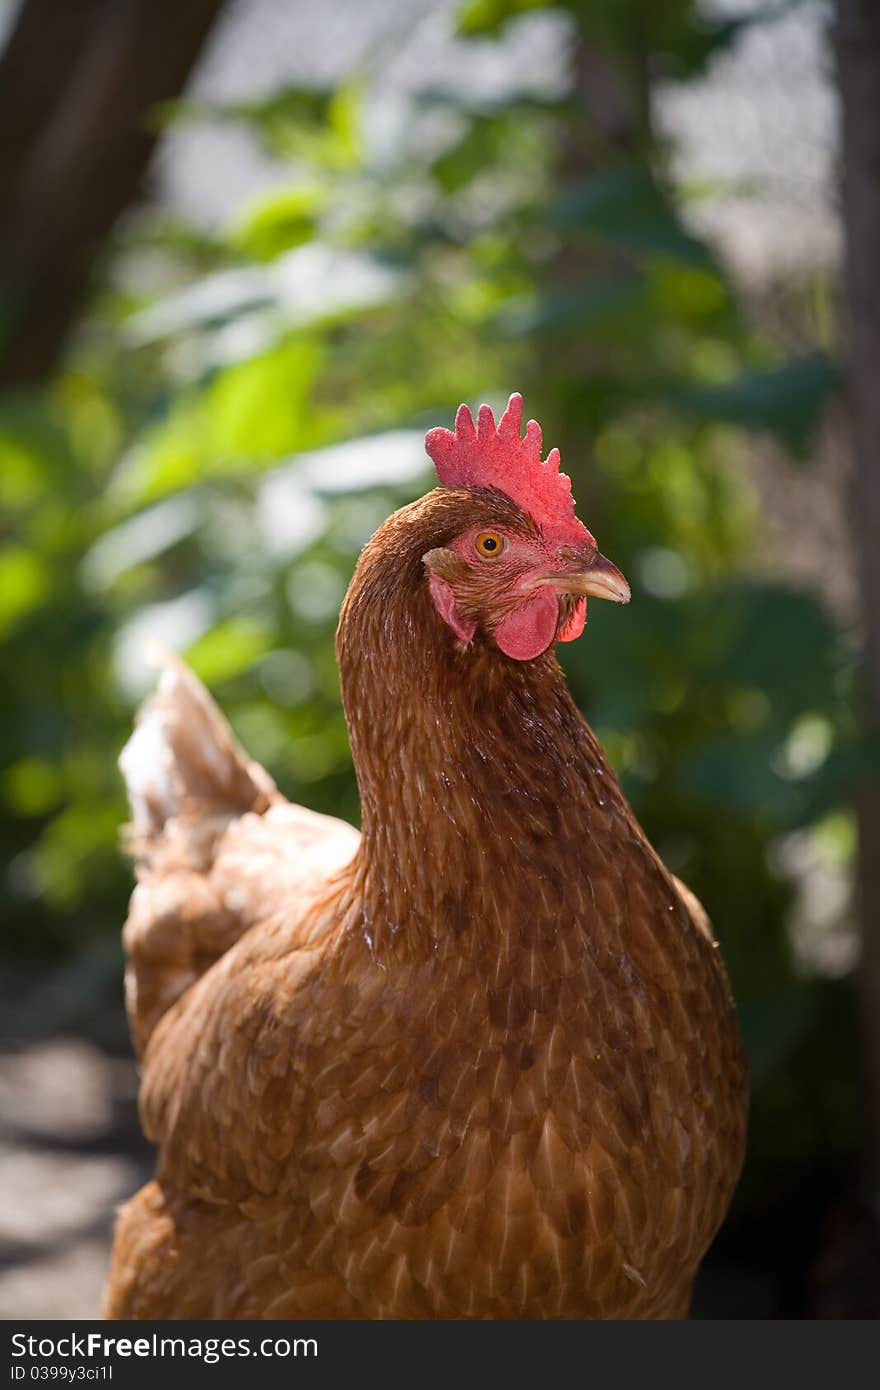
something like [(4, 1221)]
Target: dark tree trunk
[(78, 82), (858, 68), (608, 122)]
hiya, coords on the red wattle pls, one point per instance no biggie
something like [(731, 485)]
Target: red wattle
[(529, 629), (575, 625)]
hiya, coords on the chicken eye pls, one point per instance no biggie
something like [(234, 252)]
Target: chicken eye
[(489, 544)]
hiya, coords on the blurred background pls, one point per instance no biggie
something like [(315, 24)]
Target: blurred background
[(249, 251)]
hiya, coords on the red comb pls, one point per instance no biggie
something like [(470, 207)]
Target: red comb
[(482, 456)]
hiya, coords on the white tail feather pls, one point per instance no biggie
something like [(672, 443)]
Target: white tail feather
[(182, 757)]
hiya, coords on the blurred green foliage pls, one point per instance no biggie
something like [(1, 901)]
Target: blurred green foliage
[(217, 448)]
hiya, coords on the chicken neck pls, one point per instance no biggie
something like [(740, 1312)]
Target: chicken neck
[(483, 790)]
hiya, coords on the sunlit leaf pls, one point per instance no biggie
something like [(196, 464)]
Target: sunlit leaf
[(257, 409), (488, 17), (284, 220), (228, 649), (24, 583), (32, 786)]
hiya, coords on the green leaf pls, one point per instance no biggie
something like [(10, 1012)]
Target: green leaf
[(786, 401), (733, 771), (247, 416), (775, 1024), (846, 772), (581, 306), (625, 206), (24, 583), (278, 223), (256, 408), (677, 36), (486, 18), (228, 649), (782, 641), (32, 786)]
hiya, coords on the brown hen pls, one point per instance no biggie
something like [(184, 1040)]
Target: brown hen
[(480, 1061)]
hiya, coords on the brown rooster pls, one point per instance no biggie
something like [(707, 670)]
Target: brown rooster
[(479, 1061)]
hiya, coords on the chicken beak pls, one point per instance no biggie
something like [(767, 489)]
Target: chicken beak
[(599, 579)]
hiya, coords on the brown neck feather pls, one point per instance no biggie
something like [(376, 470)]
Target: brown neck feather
[(480, 782)]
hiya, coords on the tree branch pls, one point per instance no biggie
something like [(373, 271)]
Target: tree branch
[(857, 40), (78, 83)]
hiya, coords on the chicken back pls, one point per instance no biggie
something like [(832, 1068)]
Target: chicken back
[(481, 1059)]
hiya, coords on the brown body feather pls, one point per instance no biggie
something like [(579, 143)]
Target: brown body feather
[(483, 1065)]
